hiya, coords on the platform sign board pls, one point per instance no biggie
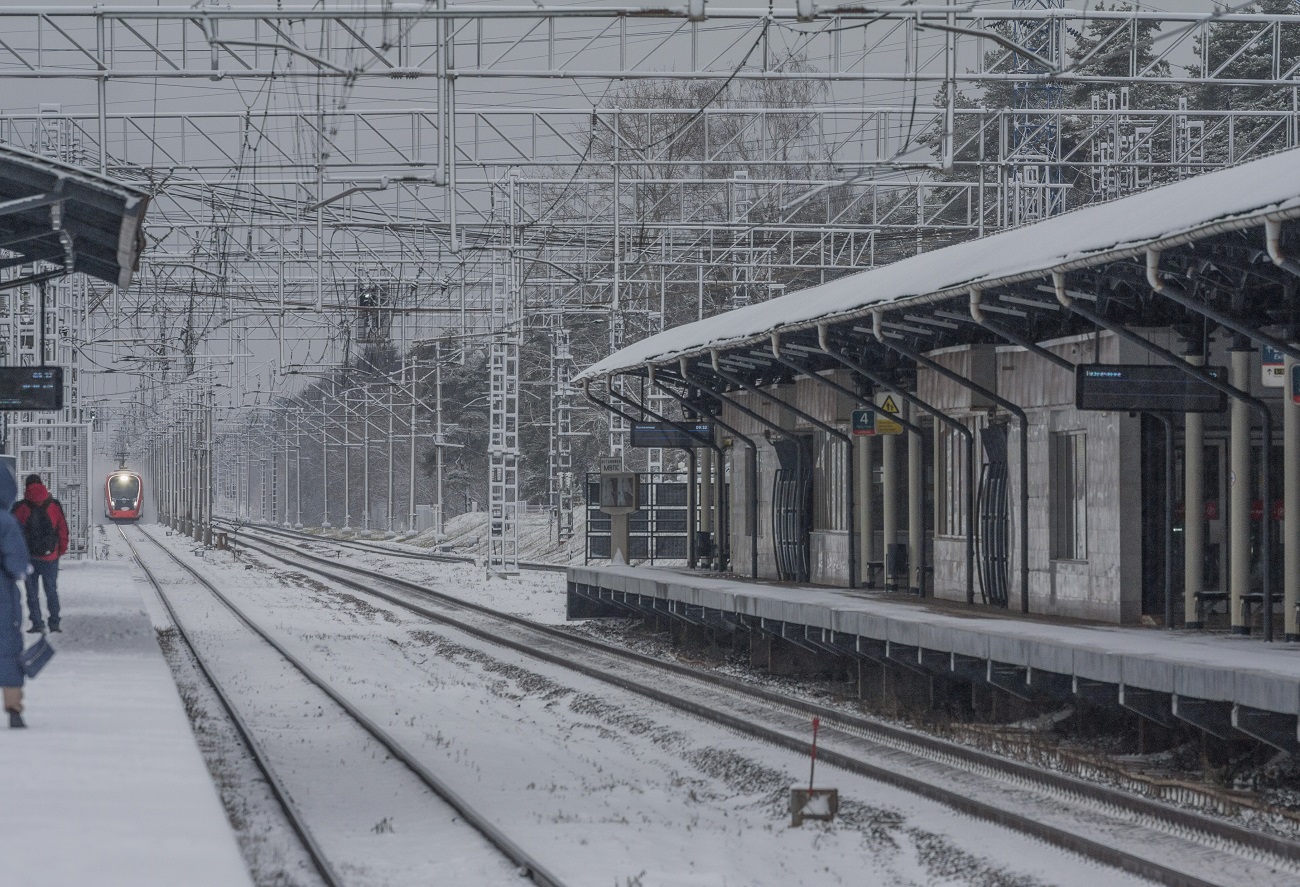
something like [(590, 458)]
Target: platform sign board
[(1272, 367), (666, 435), (1144, 388), (31, 388), (1295, 383), (620, 492)]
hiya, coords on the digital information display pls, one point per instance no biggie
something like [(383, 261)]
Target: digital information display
[(665, 435), (31, 388), (1143, 388)]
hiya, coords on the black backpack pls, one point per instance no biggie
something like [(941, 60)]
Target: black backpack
[(42, 538)]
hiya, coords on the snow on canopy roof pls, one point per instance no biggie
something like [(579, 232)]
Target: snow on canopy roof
[(1226, 200)]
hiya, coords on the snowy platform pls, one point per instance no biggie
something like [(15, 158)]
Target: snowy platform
[(107, 785), (1217, 682)]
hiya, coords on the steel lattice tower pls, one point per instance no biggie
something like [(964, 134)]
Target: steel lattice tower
[(561, 429), (1035, 150), (503, 412)]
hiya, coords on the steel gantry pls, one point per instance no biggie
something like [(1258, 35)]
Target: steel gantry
[(669, 162)]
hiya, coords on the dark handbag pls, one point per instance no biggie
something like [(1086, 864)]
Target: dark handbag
[(34, 658)]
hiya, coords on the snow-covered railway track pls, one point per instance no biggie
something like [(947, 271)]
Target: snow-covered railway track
[(497, 843), (374, 548), (1153, 840), (259, 758)]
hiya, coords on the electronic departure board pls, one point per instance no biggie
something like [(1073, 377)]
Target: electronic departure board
[(1143, 388), (31, 388), (665, 435)]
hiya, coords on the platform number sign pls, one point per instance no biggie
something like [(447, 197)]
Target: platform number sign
[(864, 423)]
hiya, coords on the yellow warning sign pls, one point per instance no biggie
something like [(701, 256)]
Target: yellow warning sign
[(888, 426)]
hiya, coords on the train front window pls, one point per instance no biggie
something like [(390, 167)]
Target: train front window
[(123, 487)]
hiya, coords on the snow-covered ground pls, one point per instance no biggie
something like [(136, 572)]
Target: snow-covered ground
[(605, 787), (467, 535), (106, 787)]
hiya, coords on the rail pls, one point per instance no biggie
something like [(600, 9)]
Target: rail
[(494, 835), (1205, 830)]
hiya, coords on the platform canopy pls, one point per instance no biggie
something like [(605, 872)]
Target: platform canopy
[(1218, 205), (57, 214)]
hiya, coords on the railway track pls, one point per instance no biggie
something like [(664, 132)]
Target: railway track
[(373, 548), (1154, 840), (525, 863)]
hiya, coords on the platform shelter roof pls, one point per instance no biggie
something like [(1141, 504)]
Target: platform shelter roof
[(1172, 215), (76, 220)]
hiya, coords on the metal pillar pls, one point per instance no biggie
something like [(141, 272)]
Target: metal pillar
[(440, 514), (365, 458), (706, 497), (889, 501), (1168, 423), (347, 461), (297, 469), (410, 475), (388, 507), (915, 508), (1291, 503), (866, 508), (1239, 491), (1193, 511), (324, 463)]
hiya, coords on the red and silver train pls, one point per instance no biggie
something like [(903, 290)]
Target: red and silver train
[(123, 496)]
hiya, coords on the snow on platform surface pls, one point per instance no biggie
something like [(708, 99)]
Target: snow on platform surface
[(1197, 665), (107, 785)]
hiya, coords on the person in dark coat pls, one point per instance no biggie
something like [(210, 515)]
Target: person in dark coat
[(13, 566), (45, 564)]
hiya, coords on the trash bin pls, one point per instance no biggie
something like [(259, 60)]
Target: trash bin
[(703, 543)]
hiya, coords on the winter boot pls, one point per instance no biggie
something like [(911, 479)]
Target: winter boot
[(15, 719), (37, 628), (54, 625)]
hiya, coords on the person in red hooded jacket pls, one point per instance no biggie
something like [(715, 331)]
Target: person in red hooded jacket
[(46, 531)]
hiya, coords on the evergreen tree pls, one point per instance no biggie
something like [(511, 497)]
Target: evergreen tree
[(1244, 51)]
